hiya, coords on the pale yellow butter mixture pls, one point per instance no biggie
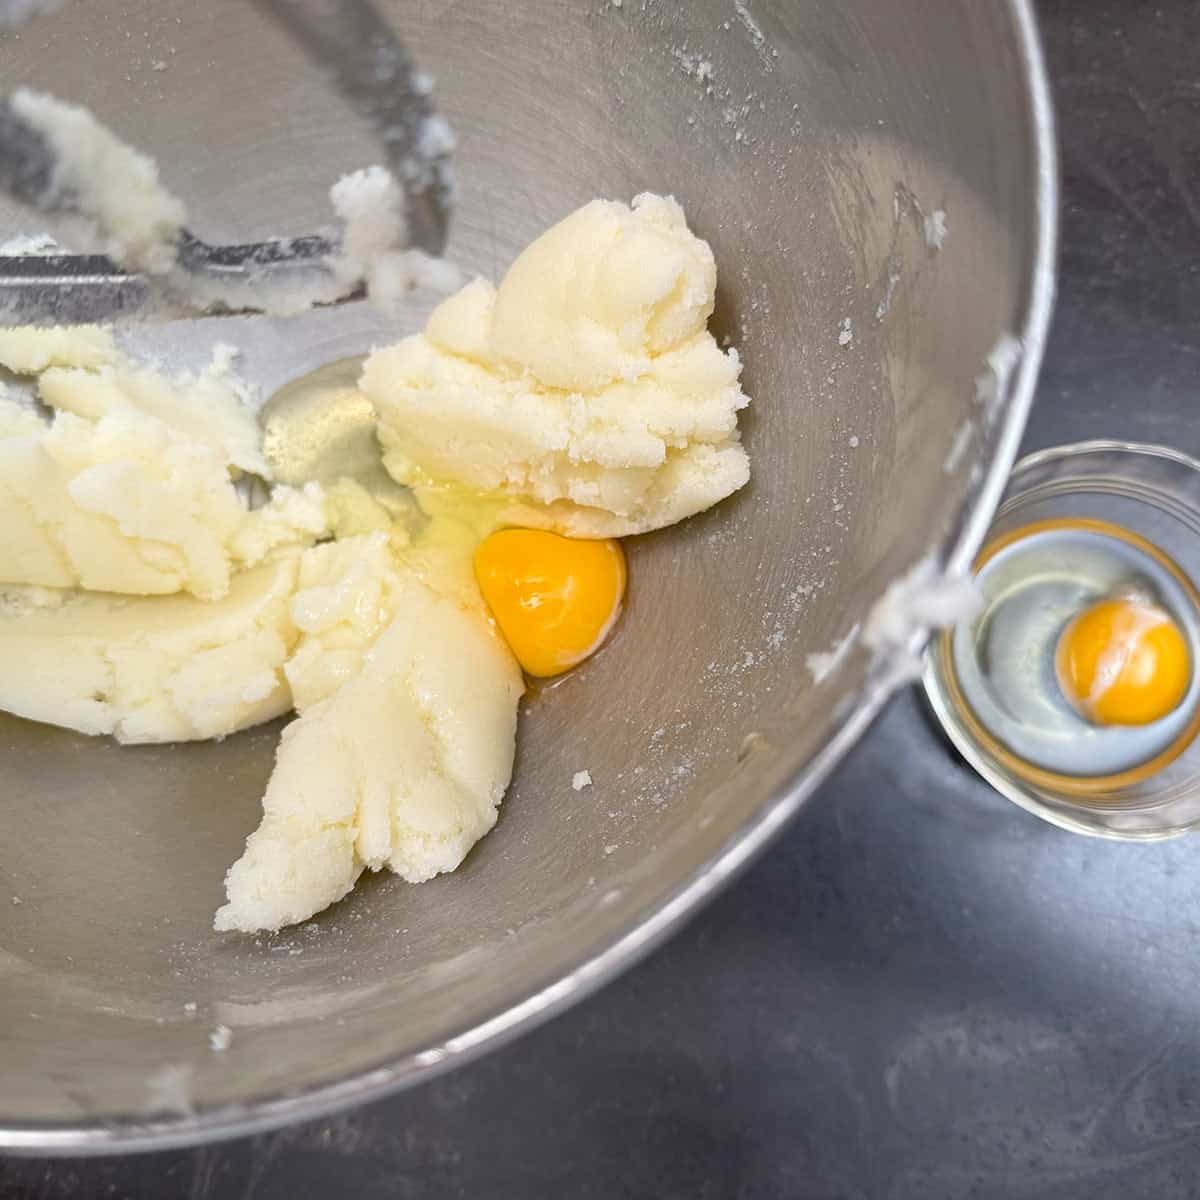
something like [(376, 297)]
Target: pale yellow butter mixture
[(142, 597)]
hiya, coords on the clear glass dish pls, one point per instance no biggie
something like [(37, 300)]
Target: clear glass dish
[(1065, 510)]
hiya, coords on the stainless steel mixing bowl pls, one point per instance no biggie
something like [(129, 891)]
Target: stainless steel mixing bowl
[(808, 141)]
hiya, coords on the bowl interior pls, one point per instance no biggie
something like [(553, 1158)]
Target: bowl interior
[(808, 143)]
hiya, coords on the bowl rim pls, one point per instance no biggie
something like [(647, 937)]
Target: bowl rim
[(888, 672)]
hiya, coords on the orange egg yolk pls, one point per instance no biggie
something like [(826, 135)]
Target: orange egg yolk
[(1123, 662), (555, 598)]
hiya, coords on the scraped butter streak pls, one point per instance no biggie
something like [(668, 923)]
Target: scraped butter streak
[(136, 221), (141, 598), (924, 598), (585, 390), (123, 210)]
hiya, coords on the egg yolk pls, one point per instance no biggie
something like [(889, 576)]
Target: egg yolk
[(555, 598), (1123, 662)]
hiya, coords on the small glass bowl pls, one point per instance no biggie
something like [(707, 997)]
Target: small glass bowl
[(1148, 497)]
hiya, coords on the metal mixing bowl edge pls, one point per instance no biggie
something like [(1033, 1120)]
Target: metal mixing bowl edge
[(955, 553)]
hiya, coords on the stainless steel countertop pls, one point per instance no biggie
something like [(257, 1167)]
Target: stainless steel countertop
[(920, 991)]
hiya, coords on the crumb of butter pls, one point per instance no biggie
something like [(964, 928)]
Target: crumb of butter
[(586, 388)]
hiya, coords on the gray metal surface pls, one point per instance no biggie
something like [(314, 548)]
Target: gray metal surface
[(359, 52), (807, 142)]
